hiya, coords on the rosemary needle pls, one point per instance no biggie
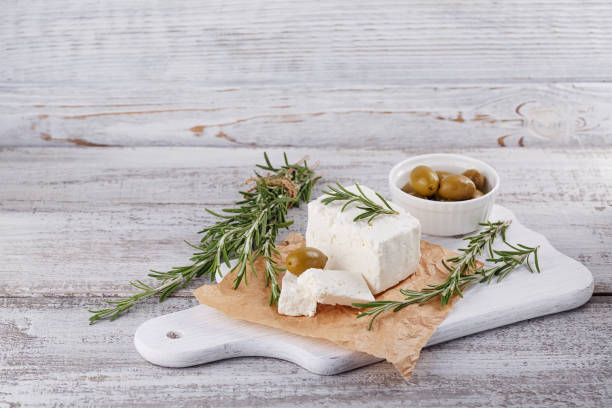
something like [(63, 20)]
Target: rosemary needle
[(460, 271), (245, 232)]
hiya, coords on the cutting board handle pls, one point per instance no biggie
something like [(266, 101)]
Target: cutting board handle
[(202, 334)]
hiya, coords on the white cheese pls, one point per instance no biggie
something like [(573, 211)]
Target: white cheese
[(335, 287), (294, 299), (385, 252)]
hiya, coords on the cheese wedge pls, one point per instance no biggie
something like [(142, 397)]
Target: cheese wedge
[(385, 251), (335, 287)]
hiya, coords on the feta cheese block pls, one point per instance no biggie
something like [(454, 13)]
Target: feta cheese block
[(294, 299), (334, 287), (385, 251)]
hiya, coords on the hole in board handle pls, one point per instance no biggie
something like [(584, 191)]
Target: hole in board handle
[(173, 335)]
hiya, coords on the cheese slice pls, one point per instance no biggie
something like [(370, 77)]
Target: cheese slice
[(335, 287), (294, 299), (385, 251)]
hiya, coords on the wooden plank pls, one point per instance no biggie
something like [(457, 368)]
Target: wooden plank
[(389, 117), (273, 42), (87, 220), (51, 357)]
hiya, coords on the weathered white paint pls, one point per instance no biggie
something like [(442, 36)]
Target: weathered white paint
[(88, 220), (302, 42), (202, 334), (359, 116), (50, 356)]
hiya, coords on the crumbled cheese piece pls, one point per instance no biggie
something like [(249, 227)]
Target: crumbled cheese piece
[(294, 299)]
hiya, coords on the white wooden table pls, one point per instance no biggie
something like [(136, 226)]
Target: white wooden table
[(121, 121)]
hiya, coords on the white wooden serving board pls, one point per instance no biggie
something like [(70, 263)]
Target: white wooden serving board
[(202, 334)]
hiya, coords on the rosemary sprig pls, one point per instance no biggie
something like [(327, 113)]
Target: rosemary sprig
[(244, 232), (460, 272), (506, 261), (370, 208)]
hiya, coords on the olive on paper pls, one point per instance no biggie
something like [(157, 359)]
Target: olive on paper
[(305, 258)]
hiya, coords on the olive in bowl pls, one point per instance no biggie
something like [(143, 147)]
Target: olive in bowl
[(424, 181), (457, 187)]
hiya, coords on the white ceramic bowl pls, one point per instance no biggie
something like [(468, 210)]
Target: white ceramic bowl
[(438, 217)]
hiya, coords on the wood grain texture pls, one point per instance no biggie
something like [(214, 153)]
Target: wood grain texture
[(87, 221), (381, 117), (279, 42), (387, 79), (51, 357)]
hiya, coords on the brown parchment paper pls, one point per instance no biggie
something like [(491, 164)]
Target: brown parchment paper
[(396, 337)]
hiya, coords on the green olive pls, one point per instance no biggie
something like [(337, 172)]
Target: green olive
[(477, 194), (424, 180), (477, 177), (441, 174), (409, 190), (305, 258), (457, 187)]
